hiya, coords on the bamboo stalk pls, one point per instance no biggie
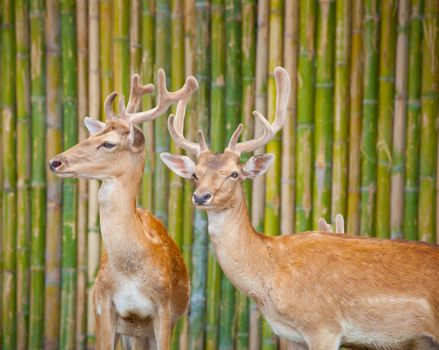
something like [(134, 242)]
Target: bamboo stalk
[(411, 185), (93, 236), (1, 190), (370, 112), (70, 197), (81, 307), (429, 105), (355, 118), (233, 95), (305, 116), (9, 222), (323, 111), (217, 132), (147, 69), (201, 48), (397, 185), (385, 116), (135, 21), (121, 52), (23, 105), (341, 109), (54, 192)]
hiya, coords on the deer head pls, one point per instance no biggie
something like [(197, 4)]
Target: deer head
[(119, 138), (218, 176)]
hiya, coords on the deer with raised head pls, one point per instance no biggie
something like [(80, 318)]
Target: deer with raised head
[(319, 290), (142, 286)]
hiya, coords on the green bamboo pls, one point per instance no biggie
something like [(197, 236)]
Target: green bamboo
[(397, 185), (370, 112), (324, 110), (197, 318), (147, 70), (53, 232), (23, 105), (175, 203), (121, 52), (305, 116), (135, 36), (9, 222), (411, 185), (341, 109), (106, 48), (429, 135), (355, 118), (81, 305), (69, 241), (38, 174), (233, 93), (161, 139), (217, 132), (1, 188), (385, 115)]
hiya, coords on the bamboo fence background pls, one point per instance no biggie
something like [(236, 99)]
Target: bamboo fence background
[(361, 139)]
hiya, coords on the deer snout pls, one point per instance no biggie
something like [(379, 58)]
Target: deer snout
[(56, 163), (202, 199)]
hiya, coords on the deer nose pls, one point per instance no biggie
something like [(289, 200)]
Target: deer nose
[(201, 199), (54, 164)]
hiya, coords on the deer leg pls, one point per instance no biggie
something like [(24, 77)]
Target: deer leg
[(106, 336), (162, 328), (324, 341), (424, 344)]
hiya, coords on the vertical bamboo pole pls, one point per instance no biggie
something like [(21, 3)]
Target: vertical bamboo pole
[(370, 112), (197, 316), (70, 198), (258, 189), (38, 176), (121, 52), (135, 21), (305, 116), (385, 115), (341, 109), (217, 123), (8, 116), (147, 70), (429, 105), (106, 8), (54, 194), (411, 185), (161, 139), (324, 110), (233, 93), (175, 203), (290, 58), (81, 307), (355, 111), (1, 188), (93, 236), (248, 51), (23, 105), (397, 185)]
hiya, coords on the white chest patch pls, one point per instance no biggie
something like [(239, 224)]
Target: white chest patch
[(128, 299)]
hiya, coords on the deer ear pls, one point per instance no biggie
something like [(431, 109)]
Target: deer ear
[(181, 165), (136, 138), (93, 126), (257, 165)]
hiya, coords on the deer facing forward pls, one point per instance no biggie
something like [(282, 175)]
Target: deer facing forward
[(319, 290), (142, 286)]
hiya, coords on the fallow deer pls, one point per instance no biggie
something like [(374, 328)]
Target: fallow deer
[(319, 290), (142, 286)]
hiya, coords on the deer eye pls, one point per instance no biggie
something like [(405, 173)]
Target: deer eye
[(234, 175), (109, 145)]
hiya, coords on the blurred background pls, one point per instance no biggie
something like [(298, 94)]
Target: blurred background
[(361, 139)]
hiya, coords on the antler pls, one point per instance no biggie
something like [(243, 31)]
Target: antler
[(282, 95), (164, 98)]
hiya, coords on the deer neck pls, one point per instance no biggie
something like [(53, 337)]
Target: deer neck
[(239, 249)]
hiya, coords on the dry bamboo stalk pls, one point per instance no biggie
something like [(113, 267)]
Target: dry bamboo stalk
[(54, 188), (355, 111), (258, 192), (397, 185), (135, 39), (81, 306), (93, 236)]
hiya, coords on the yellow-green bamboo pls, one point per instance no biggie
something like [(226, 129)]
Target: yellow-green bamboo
[(385, 116), (53, 231), (355, 115), (121, 51), (23, 105), (135, 21)]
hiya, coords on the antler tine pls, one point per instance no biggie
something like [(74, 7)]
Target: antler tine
[(282, 95), (107, 106), (165, 98), (137, 90)]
